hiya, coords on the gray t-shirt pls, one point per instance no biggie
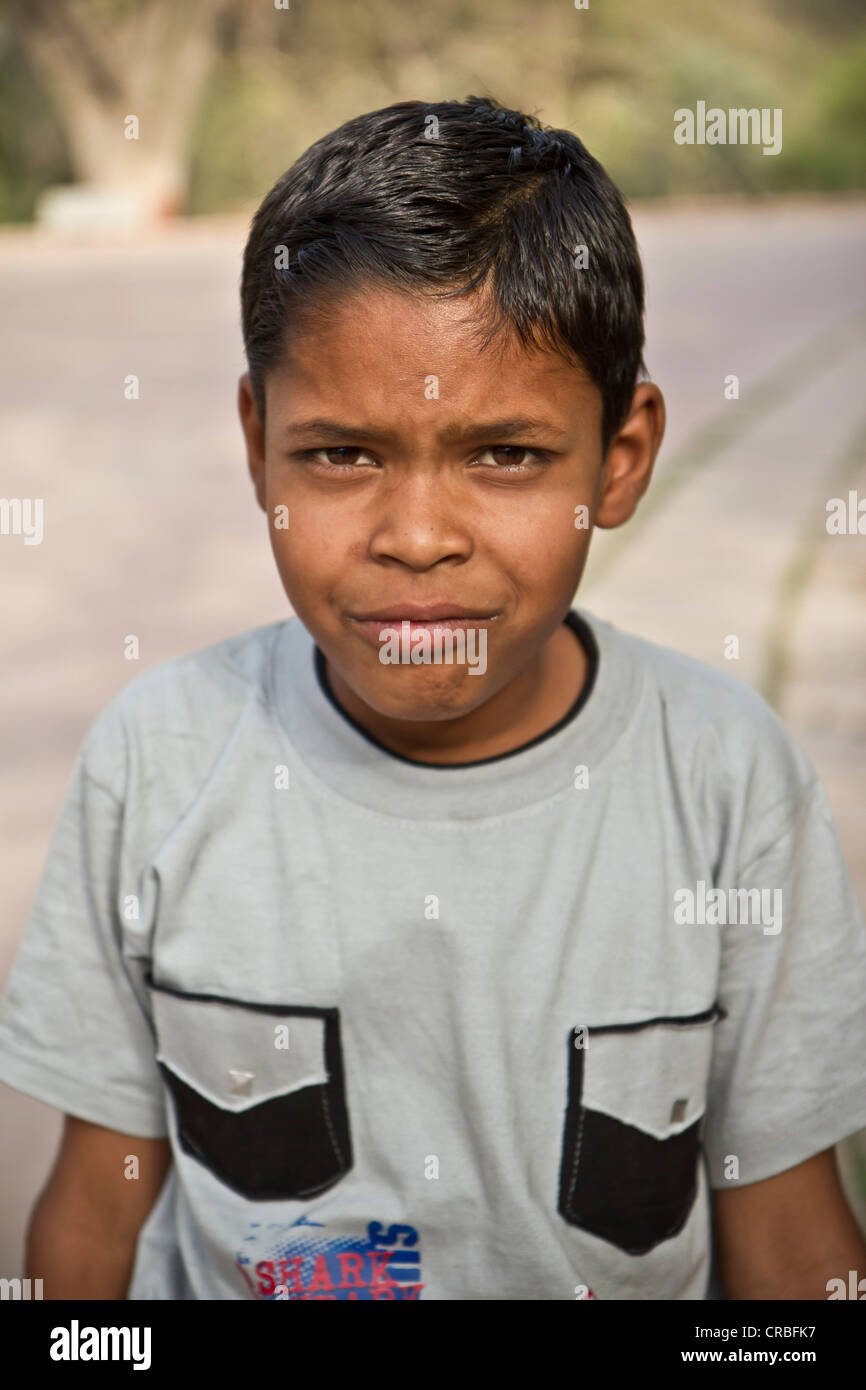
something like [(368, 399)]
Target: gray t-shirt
[(489, 1031)]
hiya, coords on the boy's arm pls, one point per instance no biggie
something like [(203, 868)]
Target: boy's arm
[(786, 1236), (83, 1230)]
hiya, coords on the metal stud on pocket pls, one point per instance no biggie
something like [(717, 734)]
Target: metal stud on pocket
[(240, 1083)]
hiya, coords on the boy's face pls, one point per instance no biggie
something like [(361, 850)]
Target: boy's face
[(413, 469)]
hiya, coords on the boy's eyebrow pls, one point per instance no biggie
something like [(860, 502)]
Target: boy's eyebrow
[(450, 434)]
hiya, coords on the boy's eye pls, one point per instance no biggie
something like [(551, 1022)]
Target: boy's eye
[(343, 458), (506, 458)]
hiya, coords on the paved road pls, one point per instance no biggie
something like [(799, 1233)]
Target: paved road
[(150, 526)]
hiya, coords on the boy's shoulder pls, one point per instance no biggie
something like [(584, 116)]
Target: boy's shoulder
[(693, 686), (195, 697), (710, 717)]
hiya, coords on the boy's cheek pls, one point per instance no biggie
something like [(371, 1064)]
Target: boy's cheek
[(306, 552)]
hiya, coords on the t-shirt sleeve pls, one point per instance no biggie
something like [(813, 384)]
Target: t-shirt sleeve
[(73, 1032), (788, 1076)]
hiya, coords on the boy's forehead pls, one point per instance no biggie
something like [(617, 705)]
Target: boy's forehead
[(379, 352)]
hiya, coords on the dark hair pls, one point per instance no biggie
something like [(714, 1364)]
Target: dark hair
[(453, 194)]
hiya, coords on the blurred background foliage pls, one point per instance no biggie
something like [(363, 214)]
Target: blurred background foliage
[(277, 79)]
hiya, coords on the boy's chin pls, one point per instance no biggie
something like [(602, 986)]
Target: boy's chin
[(423, 695)]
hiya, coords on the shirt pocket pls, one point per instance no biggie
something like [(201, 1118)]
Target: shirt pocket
[(269, 1120), (632, 1136)]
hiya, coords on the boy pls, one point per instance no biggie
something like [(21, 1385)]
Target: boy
[(532, 973)]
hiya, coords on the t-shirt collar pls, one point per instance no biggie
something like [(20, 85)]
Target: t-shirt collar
[(353, 764)]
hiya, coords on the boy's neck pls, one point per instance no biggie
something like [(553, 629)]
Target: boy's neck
[(536, 700)]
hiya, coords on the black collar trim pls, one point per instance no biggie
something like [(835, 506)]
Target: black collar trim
[(587, 640)]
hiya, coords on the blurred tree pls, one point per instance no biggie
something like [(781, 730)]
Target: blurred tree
[(105, 61), (214, 135)]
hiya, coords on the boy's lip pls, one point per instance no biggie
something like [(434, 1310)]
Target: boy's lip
[(422, 613), (376, 630)]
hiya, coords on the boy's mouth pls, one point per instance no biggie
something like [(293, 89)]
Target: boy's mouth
[(421, 621)]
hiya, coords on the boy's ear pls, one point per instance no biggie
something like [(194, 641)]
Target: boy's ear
[(631, 454), (254, 436)]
